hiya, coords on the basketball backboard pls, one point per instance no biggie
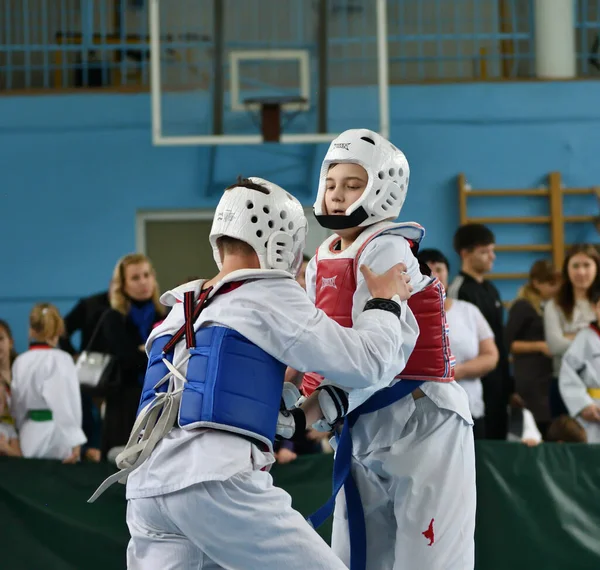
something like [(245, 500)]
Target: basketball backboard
[(229, 92)]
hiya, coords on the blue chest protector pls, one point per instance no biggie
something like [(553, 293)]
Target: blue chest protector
[(232, 384)]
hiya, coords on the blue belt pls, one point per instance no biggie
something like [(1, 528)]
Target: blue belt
[(342, 472)]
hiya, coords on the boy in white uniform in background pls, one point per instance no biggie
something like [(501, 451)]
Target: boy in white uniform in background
[(46, 401), (199, 492), (412, 451), (579, 379)]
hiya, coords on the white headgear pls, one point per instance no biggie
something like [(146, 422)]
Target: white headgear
[(271, 222), (388, 173)]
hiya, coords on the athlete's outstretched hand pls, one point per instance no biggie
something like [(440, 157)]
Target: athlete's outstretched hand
[(395, 281)]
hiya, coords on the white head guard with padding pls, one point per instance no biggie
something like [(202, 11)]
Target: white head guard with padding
[(271, 222), (388, 173)]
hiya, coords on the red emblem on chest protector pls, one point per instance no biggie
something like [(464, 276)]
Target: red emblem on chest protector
[(428, 534)]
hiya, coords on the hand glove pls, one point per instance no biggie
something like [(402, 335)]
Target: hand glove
[(333, 402), (290, 397), (291, 420), (291, 423)]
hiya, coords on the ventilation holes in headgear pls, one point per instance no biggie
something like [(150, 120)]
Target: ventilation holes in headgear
[(270, 224), (254, 219), (283, 214), (400, 172), (377, 191), (367, 139), (249, 205), (259, 233), (401, 186), (266, 209), (393, 195), (291, 226), (381, 175), (392, 172)]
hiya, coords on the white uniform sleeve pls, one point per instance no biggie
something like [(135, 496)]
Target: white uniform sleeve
[(278, 316), (572, 387), (311, 279), (553, 331), (484, 331), (380, 254), (64, 399), (351, 358)]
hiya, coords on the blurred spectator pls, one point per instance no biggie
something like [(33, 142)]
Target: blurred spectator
[(532, 363), (570, 311), (475, 245), (84, 317), (9, 440), (135, 308), (565, 429), (45, 392), (471, 341), (579, 377), (7, 352)]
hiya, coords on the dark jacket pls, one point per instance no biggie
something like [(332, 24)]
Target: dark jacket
[(84, 317), (123, 340), (533, 370)]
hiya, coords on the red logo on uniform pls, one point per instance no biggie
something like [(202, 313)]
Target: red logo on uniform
[(428, 534)]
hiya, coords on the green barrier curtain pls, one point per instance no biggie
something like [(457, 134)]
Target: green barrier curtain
[(538, 508)]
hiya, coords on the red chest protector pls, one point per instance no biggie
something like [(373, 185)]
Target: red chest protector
[(431, 359)]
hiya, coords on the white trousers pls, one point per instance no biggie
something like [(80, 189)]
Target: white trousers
[(241, 523), (418, 496)]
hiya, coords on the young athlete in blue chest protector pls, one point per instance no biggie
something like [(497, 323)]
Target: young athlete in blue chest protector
[(198, 489)]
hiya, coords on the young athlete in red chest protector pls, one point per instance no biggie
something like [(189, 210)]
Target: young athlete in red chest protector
[(409, 503)]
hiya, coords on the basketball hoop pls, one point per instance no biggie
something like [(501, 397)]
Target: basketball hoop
[(270, 113)]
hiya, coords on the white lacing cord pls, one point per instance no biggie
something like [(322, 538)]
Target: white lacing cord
[(154, 422)]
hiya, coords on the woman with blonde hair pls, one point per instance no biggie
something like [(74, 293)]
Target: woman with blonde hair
[(525, 338), (135, 309), (46, 402)]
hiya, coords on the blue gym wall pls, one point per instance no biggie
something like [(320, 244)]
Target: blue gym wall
[(76, 168)]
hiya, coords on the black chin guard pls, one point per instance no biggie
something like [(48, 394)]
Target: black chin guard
[(343, 222)]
